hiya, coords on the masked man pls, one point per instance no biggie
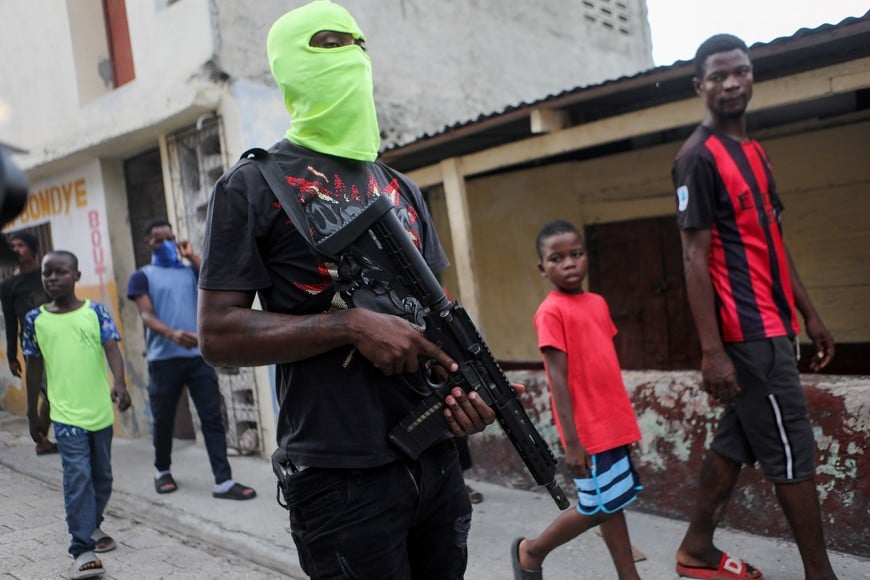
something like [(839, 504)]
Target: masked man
[(346, 376)]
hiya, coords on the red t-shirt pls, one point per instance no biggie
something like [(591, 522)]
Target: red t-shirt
[(580, 326)]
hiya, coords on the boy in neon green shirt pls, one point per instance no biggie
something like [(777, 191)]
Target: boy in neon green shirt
[(70, 341)]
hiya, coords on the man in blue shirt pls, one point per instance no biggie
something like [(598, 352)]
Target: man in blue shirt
[(165, 294)]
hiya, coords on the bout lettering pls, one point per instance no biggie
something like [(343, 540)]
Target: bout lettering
[(97, 246)]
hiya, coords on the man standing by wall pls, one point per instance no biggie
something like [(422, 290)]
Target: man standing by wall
[(743, 289), (165, 294), (20, 294)]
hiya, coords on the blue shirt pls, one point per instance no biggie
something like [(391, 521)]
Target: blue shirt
[(173, 293)]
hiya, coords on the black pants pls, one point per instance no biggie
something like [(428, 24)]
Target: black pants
[(464, 453), (168, 378), (403, 520)]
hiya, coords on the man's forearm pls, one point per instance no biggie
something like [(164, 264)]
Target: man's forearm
[(699, 288), (115, 360), (245, 337), (11, 337), (156, 325), (35, 370)]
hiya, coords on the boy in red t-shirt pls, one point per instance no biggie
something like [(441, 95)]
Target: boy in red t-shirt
[(590, 405)]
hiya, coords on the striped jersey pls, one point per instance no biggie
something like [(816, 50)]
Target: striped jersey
[(727, 186)]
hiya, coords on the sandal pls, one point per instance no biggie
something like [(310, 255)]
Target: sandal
[(104, 541), (165, 483), (729, 568), (237, 491), (521, 573), (86, 565), (45, 447)]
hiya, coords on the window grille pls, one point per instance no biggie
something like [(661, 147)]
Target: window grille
[(196, 162)]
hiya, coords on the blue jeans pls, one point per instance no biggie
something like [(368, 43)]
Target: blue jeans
[(87, 482), (168, 378), (404, 520)]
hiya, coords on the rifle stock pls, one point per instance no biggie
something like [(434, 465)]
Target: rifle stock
[(375, 243)]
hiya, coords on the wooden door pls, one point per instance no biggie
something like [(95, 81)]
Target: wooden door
[(637, 266)]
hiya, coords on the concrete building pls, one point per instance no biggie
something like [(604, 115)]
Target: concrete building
[(601, 156), (132, 109)]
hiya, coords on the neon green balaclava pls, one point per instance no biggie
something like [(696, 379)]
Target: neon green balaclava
[(328, 91)]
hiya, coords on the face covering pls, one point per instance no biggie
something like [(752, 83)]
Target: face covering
[(166, 255), (328, 91)]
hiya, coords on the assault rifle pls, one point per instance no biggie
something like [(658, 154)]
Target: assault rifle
[(381, 265)]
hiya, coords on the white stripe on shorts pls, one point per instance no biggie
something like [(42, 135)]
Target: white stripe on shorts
[(789, 463)]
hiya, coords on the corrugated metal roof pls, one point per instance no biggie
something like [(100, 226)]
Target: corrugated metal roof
[(655, 75)]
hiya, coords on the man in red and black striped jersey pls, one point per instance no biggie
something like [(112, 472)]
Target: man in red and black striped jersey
[(744, 292)]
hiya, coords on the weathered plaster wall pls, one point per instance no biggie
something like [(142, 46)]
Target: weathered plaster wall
[(253, 117), (76, 205), (436, 63), (507, 210), (824, 182), (677, 423), (171, 47), (822, 177), (136, 420)]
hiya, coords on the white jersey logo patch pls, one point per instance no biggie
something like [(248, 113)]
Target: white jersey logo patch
[(682, 198)]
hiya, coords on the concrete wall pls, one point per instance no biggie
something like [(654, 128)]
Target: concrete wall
[(824, 182), (136, 421), (76, 206), (822, 177), (170, 48), (436, 63), (677, 423), (825, 185)]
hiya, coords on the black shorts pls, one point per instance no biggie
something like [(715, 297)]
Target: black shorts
[(768, 421)]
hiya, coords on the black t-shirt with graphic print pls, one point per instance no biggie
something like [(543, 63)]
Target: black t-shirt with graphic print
[(333, 414)]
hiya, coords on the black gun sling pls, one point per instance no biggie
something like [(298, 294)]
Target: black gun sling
[(274, 177)]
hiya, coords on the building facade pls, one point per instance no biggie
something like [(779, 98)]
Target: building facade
[(131, 110), (600, 156)]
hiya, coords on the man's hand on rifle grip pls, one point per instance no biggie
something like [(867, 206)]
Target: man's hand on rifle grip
[(466, 413), (394, 345)]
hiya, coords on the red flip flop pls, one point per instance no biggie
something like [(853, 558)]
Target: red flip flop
[(729, 569)]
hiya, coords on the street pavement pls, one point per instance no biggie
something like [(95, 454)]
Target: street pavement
[(190, 535)]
